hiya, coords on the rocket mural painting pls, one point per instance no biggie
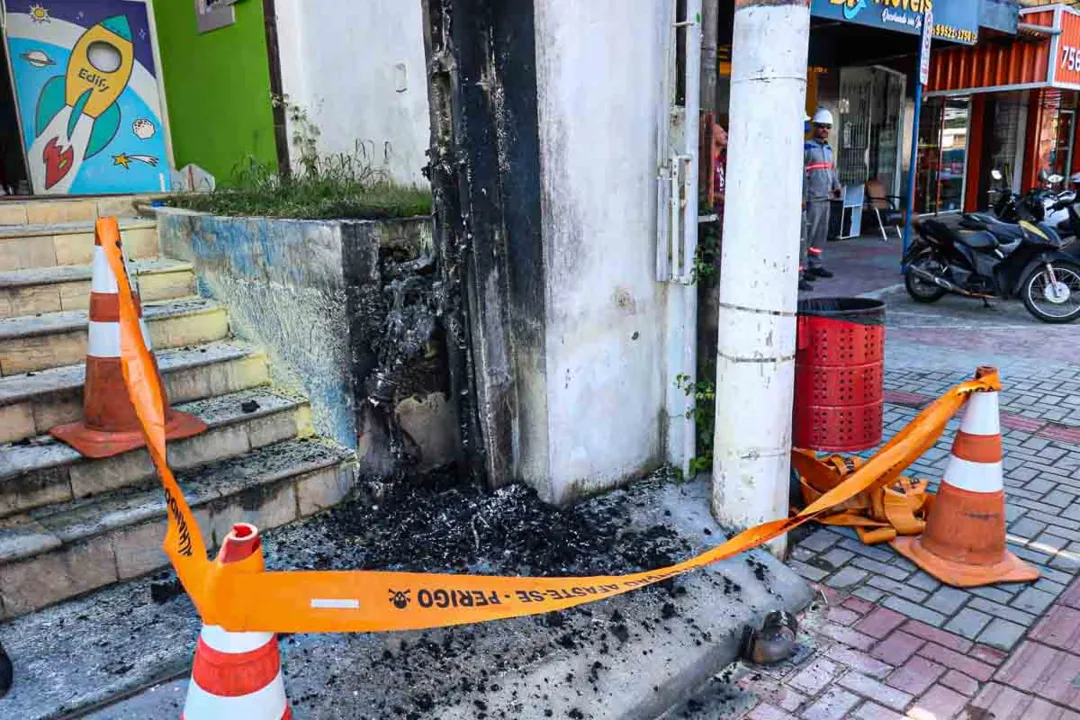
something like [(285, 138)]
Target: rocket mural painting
[(88, 97), (77, 114)]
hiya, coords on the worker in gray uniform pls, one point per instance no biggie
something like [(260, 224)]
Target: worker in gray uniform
[(821, 183)]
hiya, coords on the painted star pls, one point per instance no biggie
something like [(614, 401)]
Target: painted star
[(122, 160)]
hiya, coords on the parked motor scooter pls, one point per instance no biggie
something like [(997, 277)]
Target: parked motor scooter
[(974, 262), (1012, 207), (1056, 204), (1068, 229)]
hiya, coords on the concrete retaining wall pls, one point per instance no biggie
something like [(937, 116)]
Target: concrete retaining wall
[(344, 309)]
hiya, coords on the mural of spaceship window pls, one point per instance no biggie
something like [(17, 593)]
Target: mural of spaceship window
[(88, 97)]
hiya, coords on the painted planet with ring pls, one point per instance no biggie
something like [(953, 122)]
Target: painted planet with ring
[(37, 58)]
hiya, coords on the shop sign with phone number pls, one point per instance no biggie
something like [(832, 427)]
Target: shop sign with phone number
[(954, 20)]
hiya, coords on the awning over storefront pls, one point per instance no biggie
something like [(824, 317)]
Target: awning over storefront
[(1044, 54), (954, 20)]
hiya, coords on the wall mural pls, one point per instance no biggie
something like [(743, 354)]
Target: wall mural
[(88, 96)]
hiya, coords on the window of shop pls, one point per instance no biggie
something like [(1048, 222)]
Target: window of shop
[(1055, 132), (868, 147), (943, 140), (1006, 133)]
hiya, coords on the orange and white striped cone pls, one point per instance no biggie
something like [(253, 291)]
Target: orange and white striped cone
[(237, 674), (964, 541), (109, 425)]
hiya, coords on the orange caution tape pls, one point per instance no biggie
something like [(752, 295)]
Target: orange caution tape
[(243, 597)]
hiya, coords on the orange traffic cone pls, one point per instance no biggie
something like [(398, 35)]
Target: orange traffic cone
[(237, 675), (109, 425), (964, 541)]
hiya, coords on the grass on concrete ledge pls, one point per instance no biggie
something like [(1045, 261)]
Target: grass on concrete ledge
[(329, 187)]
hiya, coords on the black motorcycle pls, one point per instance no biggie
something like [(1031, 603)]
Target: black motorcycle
[(1034, 205), (982, 257)]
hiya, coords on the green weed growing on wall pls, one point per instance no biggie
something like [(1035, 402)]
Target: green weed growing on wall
[(703, 413), (305, 133), (330, 186)]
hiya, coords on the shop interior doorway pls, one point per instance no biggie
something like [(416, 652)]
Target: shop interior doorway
[(942, 162), (13, 176), (870, 133)]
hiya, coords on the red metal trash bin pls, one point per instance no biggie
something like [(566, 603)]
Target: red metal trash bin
[(839, 375)]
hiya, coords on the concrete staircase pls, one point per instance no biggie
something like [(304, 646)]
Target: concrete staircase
[(69, 525)]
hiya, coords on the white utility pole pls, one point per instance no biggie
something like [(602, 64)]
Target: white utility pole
[(760, 260)]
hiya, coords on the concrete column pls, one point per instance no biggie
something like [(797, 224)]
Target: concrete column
[(545, 197), (710, 25), (760, 258)]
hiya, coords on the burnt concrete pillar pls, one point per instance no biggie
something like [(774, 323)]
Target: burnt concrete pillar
[(544, 168)]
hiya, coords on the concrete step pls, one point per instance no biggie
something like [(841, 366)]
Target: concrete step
[(38, 472), (31, 404), (67, 287), (66, 209), (64, 550), (23, 247), (39, 342)]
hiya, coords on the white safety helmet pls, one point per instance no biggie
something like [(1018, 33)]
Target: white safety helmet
[(823, 117)]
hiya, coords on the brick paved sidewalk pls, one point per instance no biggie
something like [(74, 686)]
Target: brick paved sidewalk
[(889, 641), (866, 661)]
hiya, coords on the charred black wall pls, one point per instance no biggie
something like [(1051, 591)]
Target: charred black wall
[(485, 173)]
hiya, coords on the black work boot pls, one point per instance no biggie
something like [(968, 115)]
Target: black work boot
[(820, 272), (804, 284), (7, 672)]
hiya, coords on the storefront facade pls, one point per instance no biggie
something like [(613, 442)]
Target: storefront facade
[(863, 57), (863, 68), (1009, 105)]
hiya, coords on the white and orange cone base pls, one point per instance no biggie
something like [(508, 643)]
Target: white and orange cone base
[(237, 675), (109, 425), (964, 541)]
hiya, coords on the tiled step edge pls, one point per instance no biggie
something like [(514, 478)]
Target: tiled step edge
[(118, 536), (32, 403), (41, 471)]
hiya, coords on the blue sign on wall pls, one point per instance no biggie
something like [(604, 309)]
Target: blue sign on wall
[(1003, 15), (954, 20)]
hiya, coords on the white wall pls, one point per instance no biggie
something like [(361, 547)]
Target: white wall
[(599, 72), (338, 62)]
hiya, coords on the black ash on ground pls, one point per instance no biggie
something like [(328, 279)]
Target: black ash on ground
[(440, 525)]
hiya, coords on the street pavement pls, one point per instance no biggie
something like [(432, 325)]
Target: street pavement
[(886, 640)]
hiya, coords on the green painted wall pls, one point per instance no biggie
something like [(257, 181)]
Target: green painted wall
[(217, 86)]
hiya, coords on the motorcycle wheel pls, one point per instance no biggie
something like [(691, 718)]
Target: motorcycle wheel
[(920, 290), (1057, 302)]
